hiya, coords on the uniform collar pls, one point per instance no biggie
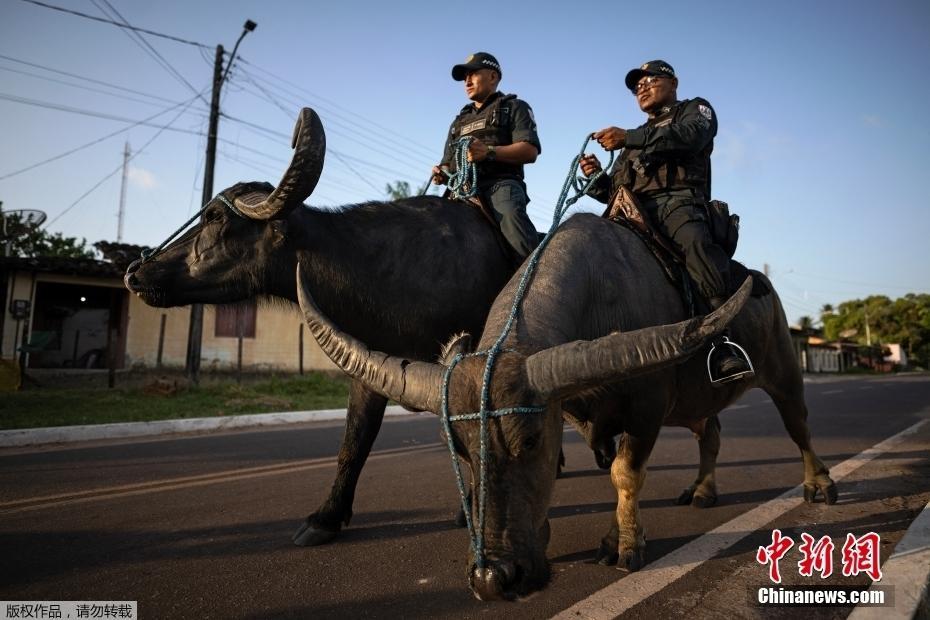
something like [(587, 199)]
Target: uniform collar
[(470, 107)]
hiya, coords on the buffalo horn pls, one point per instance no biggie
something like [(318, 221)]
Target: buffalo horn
[(298, 182), (415, 385), (575, 366)]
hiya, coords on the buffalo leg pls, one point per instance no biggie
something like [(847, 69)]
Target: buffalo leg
[(363, 421), (703, 493), (789, 399), (627, 473)]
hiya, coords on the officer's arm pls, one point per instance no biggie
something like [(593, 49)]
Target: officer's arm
[(519, 153), (525, 147), (694, 130), (600, 190)]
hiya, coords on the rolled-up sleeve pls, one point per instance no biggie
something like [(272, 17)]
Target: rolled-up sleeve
[(524, 125)]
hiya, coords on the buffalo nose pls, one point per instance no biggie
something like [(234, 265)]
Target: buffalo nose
[(493, 581)]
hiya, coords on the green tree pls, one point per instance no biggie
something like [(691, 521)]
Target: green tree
[(905, 320), (31, 241), (397, 190), (806, 324), (401, 189)]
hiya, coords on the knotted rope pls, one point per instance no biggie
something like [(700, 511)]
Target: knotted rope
[(463, 183), (476, 531)]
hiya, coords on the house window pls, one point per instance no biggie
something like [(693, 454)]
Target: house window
[(229, 316)]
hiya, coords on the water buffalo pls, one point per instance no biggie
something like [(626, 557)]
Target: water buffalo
[(597, 315), (403, 275)]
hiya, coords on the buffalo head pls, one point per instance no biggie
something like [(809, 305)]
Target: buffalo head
[(224, 257), (521, 449)]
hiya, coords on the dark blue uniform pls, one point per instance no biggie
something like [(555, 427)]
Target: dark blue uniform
[(501, 120)]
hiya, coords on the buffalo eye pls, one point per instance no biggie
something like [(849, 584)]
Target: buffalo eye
[(213, 215), (530, 442)]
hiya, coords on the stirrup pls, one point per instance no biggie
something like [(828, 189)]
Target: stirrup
[(740, 352)]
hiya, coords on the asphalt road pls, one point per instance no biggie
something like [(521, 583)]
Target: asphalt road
[(200, 526)]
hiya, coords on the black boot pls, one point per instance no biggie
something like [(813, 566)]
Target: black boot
[(727, 361)]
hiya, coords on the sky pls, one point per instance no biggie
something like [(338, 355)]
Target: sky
[(822, 148)]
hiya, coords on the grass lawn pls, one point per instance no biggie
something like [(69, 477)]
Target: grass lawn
[(140, 401)]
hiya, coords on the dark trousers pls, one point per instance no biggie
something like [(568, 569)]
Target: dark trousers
[(681, 217), (507, 200)]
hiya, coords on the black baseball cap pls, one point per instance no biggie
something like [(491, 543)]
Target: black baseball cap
[(478, 60), (653, 67)]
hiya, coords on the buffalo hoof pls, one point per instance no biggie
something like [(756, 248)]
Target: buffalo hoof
[(827, 488), (703, 501), (686, 496), (696, 499), (606, 554), (310, 535), (631, 560)]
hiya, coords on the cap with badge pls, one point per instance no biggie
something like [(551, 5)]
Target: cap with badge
[(653, 67), (478, 60)]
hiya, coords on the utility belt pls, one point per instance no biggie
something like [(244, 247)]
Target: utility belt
[(724, 226)]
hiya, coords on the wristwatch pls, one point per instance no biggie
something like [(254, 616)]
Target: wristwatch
[(492, 154)]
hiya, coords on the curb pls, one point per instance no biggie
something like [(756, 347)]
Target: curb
[(907, 572), (70, 434)]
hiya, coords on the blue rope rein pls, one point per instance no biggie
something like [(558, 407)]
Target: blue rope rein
[(463, 183), (150, 254), (476, 531)]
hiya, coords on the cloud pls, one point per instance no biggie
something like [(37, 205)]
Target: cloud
[(142, 178), (874, 121)]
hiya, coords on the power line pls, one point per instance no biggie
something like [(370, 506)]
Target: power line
[(853, 282), (118, 168), (118, 24), (93, 142), (415, 157), (85, 78), (139, 40), (73, 85), (111, 117), (427, 149)]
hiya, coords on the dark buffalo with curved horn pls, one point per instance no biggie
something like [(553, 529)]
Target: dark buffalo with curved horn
[(402, 275), (600, 323)]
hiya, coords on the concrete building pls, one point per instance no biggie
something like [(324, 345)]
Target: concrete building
[(71, 313)]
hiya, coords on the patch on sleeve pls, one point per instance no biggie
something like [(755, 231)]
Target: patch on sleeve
[(705, 111)]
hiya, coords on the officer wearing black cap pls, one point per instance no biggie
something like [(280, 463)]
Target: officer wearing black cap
[(505, 140), (665, 164)]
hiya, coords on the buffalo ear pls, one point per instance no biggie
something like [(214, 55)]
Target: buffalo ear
[(458, 344)]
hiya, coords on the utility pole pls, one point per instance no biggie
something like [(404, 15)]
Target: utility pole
[(195, 333), (122, 195)]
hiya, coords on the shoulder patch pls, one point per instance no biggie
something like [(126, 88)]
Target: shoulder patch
[(705, 111)]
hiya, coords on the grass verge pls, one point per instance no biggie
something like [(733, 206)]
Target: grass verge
[(44, 407)]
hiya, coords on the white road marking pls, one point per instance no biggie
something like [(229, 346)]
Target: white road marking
[(732, 407), (832, 391), (168, 484), (907, 571), (636, 587)]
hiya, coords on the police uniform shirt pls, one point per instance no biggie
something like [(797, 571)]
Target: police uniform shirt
[(522, 127), (684, 129)]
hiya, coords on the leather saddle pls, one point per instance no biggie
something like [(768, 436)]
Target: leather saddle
[(624, 210)]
